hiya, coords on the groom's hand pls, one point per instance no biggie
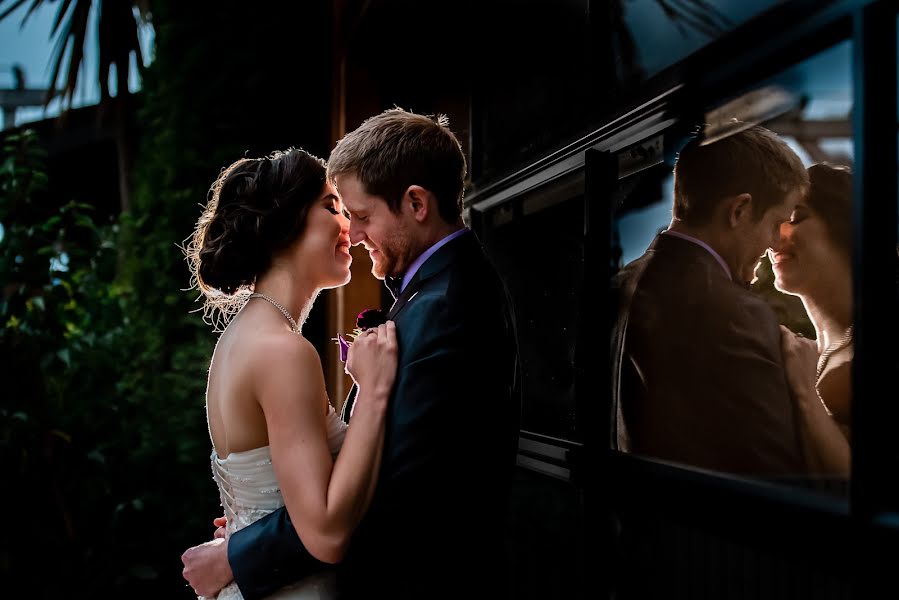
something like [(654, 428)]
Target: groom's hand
[(206, 567)]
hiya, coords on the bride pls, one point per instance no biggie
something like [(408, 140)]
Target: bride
[(273, 235)]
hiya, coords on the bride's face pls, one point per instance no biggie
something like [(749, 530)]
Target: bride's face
[(324, 247), (804, 254)]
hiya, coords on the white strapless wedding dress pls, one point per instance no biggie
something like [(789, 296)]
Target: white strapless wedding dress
[(249, 491)]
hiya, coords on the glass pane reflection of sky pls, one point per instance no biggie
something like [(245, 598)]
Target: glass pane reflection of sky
[(637, 229), (663, 39)]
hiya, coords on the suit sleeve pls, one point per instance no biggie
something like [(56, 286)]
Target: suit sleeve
[(268, 555)]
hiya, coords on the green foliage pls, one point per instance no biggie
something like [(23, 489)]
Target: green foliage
[(103, 426), (63, 425)]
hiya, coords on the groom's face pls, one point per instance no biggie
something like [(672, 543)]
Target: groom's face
[(386, 235), (760, 234)]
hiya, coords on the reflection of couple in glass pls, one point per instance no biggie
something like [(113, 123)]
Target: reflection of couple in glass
[(812, 260), (409, 496), (702, 373)]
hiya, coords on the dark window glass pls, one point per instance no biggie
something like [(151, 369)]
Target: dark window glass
[(530, 91), (536, 243)]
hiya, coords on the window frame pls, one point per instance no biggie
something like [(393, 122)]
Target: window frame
[(865, 529)]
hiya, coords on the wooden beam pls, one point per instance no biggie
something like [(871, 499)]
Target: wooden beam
[(25, 97), (812, 130), (363, 291)]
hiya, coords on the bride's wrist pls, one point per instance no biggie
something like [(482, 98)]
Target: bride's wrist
[(806, 392), (375, 397)]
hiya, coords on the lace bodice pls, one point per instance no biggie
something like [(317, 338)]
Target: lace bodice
[(249, 490)]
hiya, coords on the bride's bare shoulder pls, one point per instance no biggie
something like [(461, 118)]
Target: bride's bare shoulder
[(283, 349)]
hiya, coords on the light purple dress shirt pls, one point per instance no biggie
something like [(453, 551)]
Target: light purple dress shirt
[(418, 262)]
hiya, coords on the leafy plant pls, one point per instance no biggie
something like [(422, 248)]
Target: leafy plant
[(104, 425), (104, 431)]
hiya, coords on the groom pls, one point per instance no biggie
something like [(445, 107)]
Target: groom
[(434, 528)]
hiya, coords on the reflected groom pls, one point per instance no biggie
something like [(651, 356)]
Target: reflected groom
[(697, 371)]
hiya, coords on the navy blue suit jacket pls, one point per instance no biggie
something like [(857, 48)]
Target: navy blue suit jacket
[(435, 523)]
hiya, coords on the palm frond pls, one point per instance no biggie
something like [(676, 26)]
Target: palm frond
[(78, 34), (74, 31), (31, 9), (697, 15), (59, 52), (705, 13), (117, 39), (60, 15), (16, 4)]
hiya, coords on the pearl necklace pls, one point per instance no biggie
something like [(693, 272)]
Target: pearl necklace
[(825, 356), (293, 324)]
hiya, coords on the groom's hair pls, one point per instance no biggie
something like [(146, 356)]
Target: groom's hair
[(754, 161), (396, 149)]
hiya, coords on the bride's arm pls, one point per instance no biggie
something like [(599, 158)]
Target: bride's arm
[(326, 499), (827, 447)]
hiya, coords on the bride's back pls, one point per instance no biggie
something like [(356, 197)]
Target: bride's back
[(235, 417)]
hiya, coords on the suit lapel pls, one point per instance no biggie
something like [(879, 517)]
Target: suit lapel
[(405, 296), (398, 305), (436, 263)]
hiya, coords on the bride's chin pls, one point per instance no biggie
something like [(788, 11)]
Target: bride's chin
[(784, 287), (342, 281)]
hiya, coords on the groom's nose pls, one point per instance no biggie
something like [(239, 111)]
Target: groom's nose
[(356, 234), (781, 237)]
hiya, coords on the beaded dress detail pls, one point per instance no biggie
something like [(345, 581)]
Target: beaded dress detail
[(249, 491)]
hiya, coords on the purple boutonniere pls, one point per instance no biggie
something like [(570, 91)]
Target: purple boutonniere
[(368, 318), (343, 345)]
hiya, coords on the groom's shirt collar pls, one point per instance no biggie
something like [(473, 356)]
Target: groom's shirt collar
[(424, 256), (702, 244)]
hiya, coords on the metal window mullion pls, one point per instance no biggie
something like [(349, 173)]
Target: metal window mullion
[(875, 407), (591, 360)]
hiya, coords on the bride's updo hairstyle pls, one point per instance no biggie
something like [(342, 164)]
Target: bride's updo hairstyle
[(256, 208), (830, 195)]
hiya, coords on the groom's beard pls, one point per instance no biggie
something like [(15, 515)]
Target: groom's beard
[(397, 253)]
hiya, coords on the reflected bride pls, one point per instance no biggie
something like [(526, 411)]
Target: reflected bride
[(812, 260)]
